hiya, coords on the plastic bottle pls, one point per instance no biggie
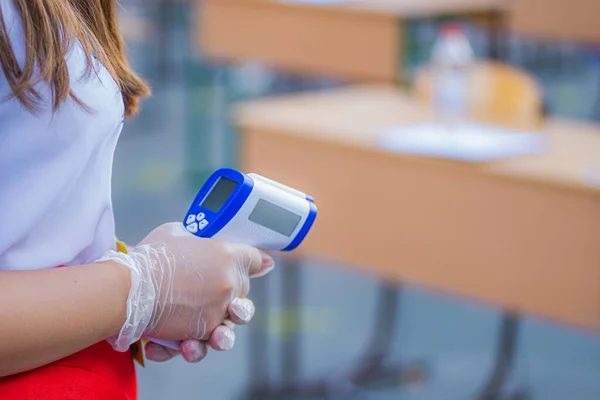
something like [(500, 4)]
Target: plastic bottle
[(451, 59)]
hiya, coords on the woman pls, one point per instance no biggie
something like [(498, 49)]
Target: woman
[(67, 332)]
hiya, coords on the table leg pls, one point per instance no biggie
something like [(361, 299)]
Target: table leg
[(382, 339), (167, 11), (505, 354), (258, 356), (373, 368), (497, 28), (291, 301), (162, 9), (262, 389)]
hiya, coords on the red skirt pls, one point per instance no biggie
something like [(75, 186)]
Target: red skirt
[(96, 373)]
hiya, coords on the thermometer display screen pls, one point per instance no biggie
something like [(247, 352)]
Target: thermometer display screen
[(276, 218), (219, 194)]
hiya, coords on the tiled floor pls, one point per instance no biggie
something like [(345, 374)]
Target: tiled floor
[(452, 338)]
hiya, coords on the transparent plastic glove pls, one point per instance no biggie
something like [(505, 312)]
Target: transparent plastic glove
[(222, 338), (183, 287), (241, 311)]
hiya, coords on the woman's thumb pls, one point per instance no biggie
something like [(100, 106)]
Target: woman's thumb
[(257, 262), (266, 265)]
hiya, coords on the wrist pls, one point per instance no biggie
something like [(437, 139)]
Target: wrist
[(137, 300), (120, 277)]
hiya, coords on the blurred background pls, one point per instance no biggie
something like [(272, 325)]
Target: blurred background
[(453, 149)]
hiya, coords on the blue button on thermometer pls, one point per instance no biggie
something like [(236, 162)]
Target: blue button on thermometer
[(249, 209)]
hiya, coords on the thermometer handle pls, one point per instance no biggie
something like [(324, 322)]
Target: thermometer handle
[(171, 344)]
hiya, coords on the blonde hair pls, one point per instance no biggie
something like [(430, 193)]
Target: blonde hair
[(51, 28)]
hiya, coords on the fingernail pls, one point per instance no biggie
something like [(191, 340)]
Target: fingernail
[(267, 260), (225, 338), (228, 339), (192, 350), (243, 309), (267, 265)]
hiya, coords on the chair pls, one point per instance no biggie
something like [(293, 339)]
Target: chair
[(498, 93)]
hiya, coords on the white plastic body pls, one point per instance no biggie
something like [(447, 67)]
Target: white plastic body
[(241, 230)]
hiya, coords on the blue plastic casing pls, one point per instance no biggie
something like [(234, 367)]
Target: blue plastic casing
[(217, 220), (310, 220)]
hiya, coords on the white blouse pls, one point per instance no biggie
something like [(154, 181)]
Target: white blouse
[(55, 168)]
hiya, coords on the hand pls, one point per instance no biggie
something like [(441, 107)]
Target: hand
[(183, 287), (241, 312)]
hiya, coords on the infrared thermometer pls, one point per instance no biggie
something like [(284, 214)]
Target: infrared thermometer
[(250, 209)]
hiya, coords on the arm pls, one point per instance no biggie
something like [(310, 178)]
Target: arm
[(47, 315), (172, 286)]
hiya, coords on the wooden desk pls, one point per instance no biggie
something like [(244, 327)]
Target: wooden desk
[(557, 20), (523, 234), (357, 40)]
